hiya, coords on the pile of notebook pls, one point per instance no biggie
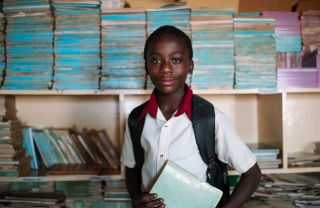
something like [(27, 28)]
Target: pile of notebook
[(213, 48), (255, 54), (29, 48), (76, 45), (123, 35)]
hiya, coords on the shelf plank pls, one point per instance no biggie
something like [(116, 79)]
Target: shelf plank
[(148, 91), (280, 170)]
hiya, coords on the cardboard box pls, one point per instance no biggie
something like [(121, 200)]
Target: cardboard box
[(305, 5)]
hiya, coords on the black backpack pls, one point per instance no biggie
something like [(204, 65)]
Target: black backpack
[(203, 121)]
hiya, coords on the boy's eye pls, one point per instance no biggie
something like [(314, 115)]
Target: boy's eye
[(176, 60), (155, 60)]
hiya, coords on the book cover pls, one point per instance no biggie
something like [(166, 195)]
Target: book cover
[(180, 188)]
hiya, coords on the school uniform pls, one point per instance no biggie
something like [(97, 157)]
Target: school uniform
[(174, 140)]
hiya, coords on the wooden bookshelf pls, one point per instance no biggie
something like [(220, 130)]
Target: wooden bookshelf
[(287, 119)]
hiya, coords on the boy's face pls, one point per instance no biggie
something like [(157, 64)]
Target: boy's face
[(168, 63)]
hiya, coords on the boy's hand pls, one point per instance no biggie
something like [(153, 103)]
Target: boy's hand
[(143, 200)]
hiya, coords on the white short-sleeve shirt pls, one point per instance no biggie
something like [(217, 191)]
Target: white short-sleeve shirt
[(174, 140)]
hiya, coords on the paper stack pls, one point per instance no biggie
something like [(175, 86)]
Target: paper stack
[(255, 54), (123, 35), (213, 47), (76, 45), (287, 30), (2, 47), (310, 26), (297, 78), (29, 48)]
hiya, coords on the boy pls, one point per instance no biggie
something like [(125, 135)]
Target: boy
[(168, 133)]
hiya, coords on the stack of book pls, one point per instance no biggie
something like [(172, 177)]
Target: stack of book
[(246, 14), (13, 160), (2, 47), (176, 14), (80, 190), (27, 194), (289, 51), (76, 45), (267, 155), (213, 47), (116, 190), (29, 199), (289, 59), (255, 54), (123, 34), (287, 30), (303, 159), (107, 4), (32, 187), (29, 48), (310, 26), (297, 77), (63, 146), (286, 190)]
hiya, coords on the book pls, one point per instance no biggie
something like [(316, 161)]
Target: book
[(179, 188), (65, 169), (31, 150)]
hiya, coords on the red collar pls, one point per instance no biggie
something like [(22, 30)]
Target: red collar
[(185, 105)]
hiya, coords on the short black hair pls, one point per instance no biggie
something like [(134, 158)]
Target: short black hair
[(168, 29)]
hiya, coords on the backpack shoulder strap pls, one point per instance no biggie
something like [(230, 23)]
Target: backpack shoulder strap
[(136, 127), (203, 121)]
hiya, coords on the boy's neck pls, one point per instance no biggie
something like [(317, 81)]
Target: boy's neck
[(169, 103)]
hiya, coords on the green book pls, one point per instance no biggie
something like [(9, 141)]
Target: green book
[(180, 188)]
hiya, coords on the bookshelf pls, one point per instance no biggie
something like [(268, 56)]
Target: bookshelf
[(287, 119)]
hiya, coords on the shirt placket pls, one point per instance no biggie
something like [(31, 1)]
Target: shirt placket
[(162, 152)]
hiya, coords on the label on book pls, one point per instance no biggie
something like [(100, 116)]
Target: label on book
[(268, 91), (33, 179), (181, 189), (98, 178)]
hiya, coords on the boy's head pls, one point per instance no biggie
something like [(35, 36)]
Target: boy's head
[(168, 59), (167, 29)]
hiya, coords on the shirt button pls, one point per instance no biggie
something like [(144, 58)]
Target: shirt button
[(161, 156)]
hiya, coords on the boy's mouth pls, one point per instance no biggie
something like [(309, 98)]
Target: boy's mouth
[(167, 82)]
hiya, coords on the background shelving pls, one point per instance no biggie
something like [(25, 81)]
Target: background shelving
[(286, 119)]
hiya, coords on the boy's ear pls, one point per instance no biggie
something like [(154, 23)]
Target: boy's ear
[(145, 67), (191, 66)]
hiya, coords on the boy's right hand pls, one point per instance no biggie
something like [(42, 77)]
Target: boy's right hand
[(144, 200)]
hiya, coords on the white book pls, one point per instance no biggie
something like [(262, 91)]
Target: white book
[(181, 189)]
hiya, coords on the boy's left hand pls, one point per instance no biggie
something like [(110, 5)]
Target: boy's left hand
[(144, 200)]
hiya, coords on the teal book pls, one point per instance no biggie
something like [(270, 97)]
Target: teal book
[(179, 188)]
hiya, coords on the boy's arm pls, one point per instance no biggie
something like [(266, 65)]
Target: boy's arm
[(245, 187), (139, 199), (133, 181)]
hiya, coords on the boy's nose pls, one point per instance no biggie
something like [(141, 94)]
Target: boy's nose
[(166, 67)]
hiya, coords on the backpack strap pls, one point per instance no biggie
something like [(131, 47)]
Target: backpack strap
[(203, 120), (136, 127), (203, 117)]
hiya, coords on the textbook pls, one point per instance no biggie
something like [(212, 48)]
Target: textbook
[(179, 188)]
